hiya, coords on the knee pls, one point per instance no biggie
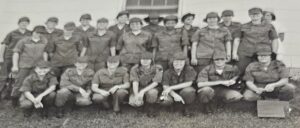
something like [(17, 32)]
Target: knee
[(206, 94), (98, 98), (63, 92), (287, 92), (233, 96), (151, 96), (188, 94), (167, 102), (83, 101), (26, 104), (251, 96), (121, 93)]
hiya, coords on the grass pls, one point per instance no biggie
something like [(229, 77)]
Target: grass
[(237, 115)]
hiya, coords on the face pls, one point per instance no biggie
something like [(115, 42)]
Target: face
[(154, 21), (68, 32), (23, 25), (51, 25), (112, 66), (227, 18), (102, 25), (189, 20), (36, 34), (220, 62), (212, 21), (85, 22), (268, 17), (81, 66), (178, 64), (123, 19), (146, 62), (256, 17), (264, 58), (41, 71), (135, 26), (170, 24)]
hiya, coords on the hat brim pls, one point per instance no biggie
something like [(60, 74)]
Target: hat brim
[(147, 19), (205, 19), (186, 16)]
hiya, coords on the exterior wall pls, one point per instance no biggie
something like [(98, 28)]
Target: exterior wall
[(70, 10)]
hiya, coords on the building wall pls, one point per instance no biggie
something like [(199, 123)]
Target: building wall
[(70, 10)]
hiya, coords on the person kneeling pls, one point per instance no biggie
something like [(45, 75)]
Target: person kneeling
[(145, 78), (177, 84), (75, 85), (111, 83), (218, 80), (38, 90)]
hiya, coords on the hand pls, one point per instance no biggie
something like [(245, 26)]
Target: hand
[(140, 96), (194, 62), (113, 89), (82, 92), (14, 69), (235, 56), (259, 90), (166, 91), (269, 88), (105, 93), (178, 98), (228, 82), (39, 98), (38, 104), (228, 57)]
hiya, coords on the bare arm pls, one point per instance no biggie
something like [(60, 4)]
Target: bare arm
[(113, 51)]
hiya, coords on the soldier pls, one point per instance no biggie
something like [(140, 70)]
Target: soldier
[(101, 45), (153, 21), (27, 52), (145, 78), (75, 85), (65, 49), (52, 32), (251, 34), (208, 40), (38, 90), (10, 42), (177, 84), (218, 80), (85, 29), (169, 41), (132, 44), (267, 78), (110, 85)]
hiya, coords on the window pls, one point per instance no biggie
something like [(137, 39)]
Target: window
[(146, 6)]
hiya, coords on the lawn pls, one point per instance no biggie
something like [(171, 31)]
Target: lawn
[(237, 115)]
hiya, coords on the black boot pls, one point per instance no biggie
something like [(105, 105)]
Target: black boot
[(45, 112), (151, 111), (208, 108), (14, 102), (27, 112), (187, 111), (60, 112)]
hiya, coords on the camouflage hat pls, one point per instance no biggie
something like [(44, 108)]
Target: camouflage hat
[(123, 13), (180, 56), (219, 55), (263, 49), (24, 19), (171, 18), (113, 59), (70, 26), (255, 10), (212, 15), (39, 29), (82, 59), (135, 19), (186, 16), (53, 19), (85, 16), (227, 13), (102, 20), (43, 64), (147, 55), (153, 15)]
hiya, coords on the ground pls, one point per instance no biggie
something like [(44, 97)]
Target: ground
[(238, 115)]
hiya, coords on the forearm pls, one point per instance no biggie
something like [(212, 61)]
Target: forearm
[(236, 44), (185, 49), (124, 86), (48, 91), (150, 86), (29, 96), (181, 86), (173, 94), (96, 89), (45, 56), (83, 51), (154, 52), (281, 82), (228, 48), (73, 88), (113, 51), (16, 59), (194, 47), (251, 85), (135, 87), (275, 46), (209, 84)]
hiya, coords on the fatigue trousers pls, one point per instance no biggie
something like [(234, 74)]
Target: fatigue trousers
[(150, 97), (207, 94), (64, 94), (188, 94), (47, 101), (117, 98), (4, 72), (202, 63), (96, 65), (22, 74), (243, 62)]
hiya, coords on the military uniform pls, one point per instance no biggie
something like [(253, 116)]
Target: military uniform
[(153, 28)]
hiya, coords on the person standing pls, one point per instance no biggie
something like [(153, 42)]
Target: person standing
[(153, 21), (85, 29)]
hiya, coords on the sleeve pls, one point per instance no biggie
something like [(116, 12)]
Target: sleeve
[(273, 33), (203, 75), (96, 78), (228, 36), (190, 74), (20, 46), (236, 32), (120, 42), (113, 40), (26, 86), (7, 39), (196, 36), (158, 74), (185, 38), (155, 42), (248, 73), (65, 79), (133, 74), (237, 71), (166, 78)]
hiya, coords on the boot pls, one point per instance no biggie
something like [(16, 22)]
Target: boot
[(151, 111), (27, 112), (60, 112), (208, 108), (186, 111)]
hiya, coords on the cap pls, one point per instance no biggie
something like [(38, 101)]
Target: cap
[(43, 64), (39, 29), (53, 19), (102, 20), (255, 10), (153, 16), (70, 26), (219, 55), (211, 15), (123, 13), (227, 13), (186, 16), (170, 18), (263, 49), (269, 10), (147, 55), (85, 16), (180, 56), (135, 19), (82, 59), (113, 59), (24, 19)]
